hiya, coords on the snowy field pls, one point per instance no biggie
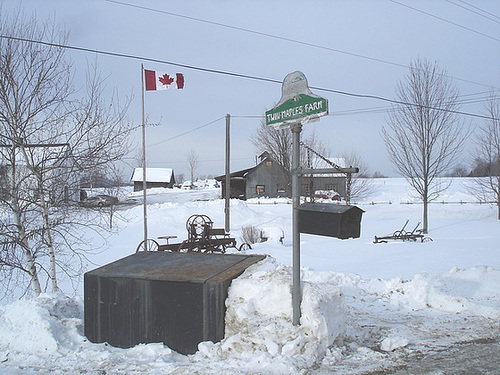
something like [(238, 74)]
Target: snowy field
[(367, 308)]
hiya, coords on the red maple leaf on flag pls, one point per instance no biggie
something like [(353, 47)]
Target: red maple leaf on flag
[(166, 79)]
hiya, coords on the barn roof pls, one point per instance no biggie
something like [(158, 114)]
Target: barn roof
[(153, 174), (243, 172)]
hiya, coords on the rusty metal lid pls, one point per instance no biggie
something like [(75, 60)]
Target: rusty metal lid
[(184, 267)]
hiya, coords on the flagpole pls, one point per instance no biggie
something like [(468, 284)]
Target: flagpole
[(144, 183)]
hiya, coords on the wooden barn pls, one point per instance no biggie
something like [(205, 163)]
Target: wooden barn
[(266, 179), (155, 178), (269, 179)]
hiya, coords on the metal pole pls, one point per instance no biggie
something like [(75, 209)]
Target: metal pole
[(296, 290), (227, 207), (144, 184)]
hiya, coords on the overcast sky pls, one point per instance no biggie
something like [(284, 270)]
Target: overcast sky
[(351, 46)]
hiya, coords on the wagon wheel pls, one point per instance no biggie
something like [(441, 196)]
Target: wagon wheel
[(147, 245), (195, 225), (399, 234), (244, 246)]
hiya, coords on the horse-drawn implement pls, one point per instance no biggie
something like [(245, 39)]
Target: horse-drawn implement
[(403, 235), (202, 237)]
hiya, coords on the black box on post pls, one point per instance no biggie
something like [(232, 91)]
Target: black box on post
[(331, 220)]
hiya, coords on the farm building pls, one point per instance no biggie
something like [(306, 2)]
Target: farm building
[(155, 177), (54, 164), (266, 179), (269, 179)]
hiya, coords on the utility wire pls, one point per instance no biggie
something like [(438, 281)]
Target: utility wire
[(286, 39), (394, 101), (185, 133), (163, 162), (233, 74), (479, 9), (257, 33), (473, 11), (140, 58), (445, 20)]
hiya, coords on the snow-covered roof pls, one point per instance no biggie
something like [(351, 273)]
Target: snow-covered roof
[(153, 174)]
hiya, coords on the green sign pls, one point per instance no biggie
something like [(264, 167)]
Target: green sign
[(297, 104), (302, 107)]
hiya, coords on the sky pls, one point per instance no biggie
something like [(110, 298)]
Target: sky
[(346, 47)]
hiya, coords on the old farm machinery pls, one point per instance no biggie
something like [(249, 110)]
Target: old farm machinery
[(202, 237), (404, 235)]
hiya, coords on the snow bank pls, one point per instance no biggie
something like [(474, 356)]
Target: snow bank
[(363, 304), (259, 327), (47, 332), (43, 325), (259, 330), (475, 291)]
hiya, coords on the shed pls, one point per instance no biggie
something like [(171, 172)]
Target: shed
[(174, 298), (331, 220), (155, 177)]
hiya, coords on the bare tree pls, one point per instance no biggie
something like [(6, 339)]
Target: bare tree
[(193, 163), (487, 154), (278, 143), (424, 135), (361, 185), (32, 92), (46, 139)]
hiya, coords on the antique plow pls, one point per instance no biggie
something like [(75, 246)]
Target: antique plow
[(403, 235)]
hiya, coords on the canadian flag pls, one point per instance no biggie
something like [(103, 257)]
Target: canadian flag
[(163, 81)]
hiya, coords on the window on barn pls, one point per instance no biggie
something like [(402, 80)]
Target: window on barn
[(331, 187), (269, 163), (261, 189)]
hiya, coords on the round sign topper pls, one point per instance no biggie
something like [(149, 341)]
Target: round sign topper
[(297, 104)]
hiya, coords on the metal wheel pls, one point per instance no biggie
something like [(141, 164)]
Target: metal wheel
[(195, 225), (244, 246), (147, 245)]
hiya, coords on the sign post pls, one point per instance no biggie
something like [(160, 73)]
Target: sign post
[(297, 106)]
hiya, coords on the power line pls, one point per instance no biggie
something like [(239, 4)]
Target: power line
[(257, 33), (201, 161), (473, 11), (479, 9), (139, 58), (445, 20), (394, 101), (286, 39), (185, 133), (233, 74)]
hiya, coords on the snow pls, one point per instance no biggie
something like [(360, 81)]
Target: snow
[(365, 307), (153, 174)]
